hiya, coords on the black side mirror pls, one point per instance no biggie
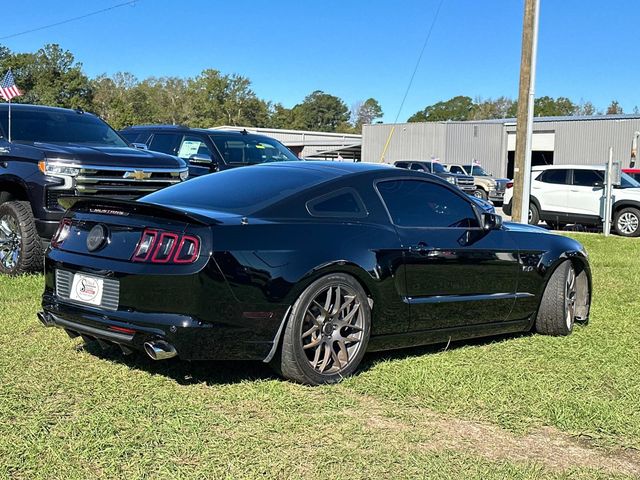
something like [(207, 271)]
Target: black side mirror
[(491, 221), (598, 185), (201, 159)]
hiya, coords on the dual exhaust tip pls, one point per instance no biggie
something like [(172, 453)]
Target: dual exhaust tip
[(159, 350)]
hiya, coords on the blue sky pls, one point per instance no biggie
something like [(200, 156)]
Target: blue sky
[(353, 49)]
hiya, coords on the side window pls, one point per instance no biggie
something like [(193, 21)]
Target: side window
[(165, 143), (418, 167), (129, 137), (557, 176), (457, 169), (193, 145), (402, 164), (413, 203), (587, 178), (344, 202)]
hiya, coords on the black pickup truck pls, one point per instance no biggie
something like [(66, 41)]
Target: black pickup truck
[(57, 152)]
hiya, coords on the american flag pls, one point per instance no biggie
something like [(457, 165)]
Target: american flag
[(8, 88)]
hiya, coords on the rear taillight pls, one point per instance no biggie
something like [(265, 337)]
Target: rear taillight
[(166, 247), (509, 185), (61, 233)]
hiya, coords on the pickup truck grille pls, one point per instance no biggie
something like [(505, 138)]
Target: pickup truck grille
[(465, 183), (124, 182)]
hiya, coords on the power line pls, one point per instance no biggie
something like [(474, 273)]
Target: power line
[(113, 7), (424, 46)]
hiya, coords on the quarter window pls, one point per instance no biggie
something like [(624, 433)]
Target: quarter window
[(414, 203), (556, 176), (342, 203)]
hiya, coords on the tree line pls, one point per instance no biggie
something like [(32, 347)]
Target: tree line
[(52, 76)]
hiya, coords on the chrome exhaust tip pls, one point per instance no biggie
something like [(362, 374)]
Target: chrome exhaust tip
[(159, 350)]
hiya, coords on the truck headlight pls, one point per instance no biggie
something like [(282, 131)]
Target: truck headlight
[(452, 180), (57, 169)]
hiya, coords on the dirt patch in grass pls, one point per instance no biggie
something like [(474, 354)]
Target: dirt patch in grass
[(547, 446)]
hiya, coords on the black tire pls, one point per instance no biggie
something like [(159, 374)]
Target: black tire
[(555, 225), (480, 193), (314, 309), (28, 248), (557, 312), (534, 214), (626, 222)]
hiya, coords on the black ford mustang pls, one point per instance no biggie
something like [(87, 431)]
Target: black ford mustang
[(307, 266)]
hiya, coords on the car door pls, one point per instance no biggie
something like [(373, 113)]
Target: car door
[(551, 189), (456, 273), (586, 191)]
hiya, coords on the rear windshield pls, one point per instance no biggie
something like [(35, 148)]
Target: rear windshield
[(247, 150), (58, 126), (240, 190)]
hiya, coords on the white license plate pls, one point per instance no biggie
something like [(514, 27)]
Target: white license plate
[(87, 289)]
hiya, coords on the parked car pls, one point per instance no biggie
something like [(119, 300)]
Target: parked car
[(55, 152), (487, 187), (207, 150), (306, 266), (564, 194), (463, 182), (633, 173)]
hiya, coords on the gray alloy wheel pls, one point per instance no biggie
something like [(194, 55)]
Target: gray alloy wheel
[(20, 248), (557, 312), (479, 193), (327, 331), (627, 222)]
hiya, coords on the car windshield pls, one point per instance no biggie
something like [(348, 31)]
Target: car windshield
[(246, 150), (627, 181), (476, 170), (60, 126)]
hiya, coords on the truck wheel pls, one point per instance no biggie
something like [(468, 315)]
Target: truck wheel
[(627, 222), (20, 249), (480, 193)]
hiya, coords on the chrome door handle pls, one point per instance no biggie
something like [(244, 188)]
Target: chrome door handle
[(5, 149)]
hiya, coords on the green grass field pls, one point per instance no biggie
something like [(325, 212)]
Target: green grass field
[(512, 407)]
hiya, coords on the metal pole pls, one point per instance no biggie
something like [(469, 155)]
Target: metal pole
[(608, 191), (9, 121), (526, 177)]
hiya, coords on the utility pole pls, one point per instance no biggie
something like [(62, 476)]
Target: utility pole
[(524, 128)]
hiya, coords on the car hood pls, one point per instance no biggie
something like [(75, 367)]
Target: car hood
[(521, 227), (109, 156)]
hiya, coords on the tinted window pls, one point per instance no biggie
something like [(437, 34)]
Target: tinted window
[(412, 203), (239, 190), (587, 178), (438, 168), (59, 126), (342, 203), (193, 145), (457, 169), (417, 166), (129, 137), (477, 170), (558, 176), (402, 164), (165, 143), (241, 149)]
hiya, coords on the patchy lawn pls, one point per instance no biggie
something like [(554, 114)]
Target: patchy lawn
[(513, 407)]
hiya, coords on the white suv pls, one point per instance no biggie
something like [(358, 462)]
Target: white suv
[(563, 194)]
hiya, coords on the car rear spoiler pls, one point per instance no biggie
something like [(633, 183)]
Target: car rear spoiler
[(126, 207)]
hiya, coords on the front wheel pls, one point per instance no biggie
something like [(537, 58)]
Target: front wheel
[(479, 193), (562, 302), (534, 214), (627, 222), (20, 249), (327, 332)]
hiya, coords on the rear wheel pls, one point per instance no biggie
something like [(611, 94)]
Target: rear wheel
[(557, 312), (20, 249), (534, 214), (627, 222), (327, 332)]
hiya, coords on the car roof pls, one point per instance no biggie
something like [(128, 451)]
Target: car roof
[(336, 169), (185, 129), (34, 108), (538, 168)]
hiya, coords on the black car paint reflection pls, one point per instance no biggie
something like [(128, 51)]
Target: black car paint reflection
[(426, 284)]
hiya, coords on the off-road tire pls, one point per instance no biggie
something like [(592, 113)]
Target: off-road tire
[(552, 317), (30, 257), (292, 361)]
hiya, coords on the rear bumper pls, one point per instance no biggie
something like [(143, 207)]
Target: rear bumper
[(192, 338), (506, 208), (496, 196)]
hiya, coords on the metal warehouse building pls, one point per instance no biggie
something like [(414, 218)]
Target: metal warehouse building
[(556, 140)]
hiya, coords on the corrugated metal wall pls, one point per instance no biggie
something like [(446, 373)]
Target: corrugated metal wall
[(576, 141)]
